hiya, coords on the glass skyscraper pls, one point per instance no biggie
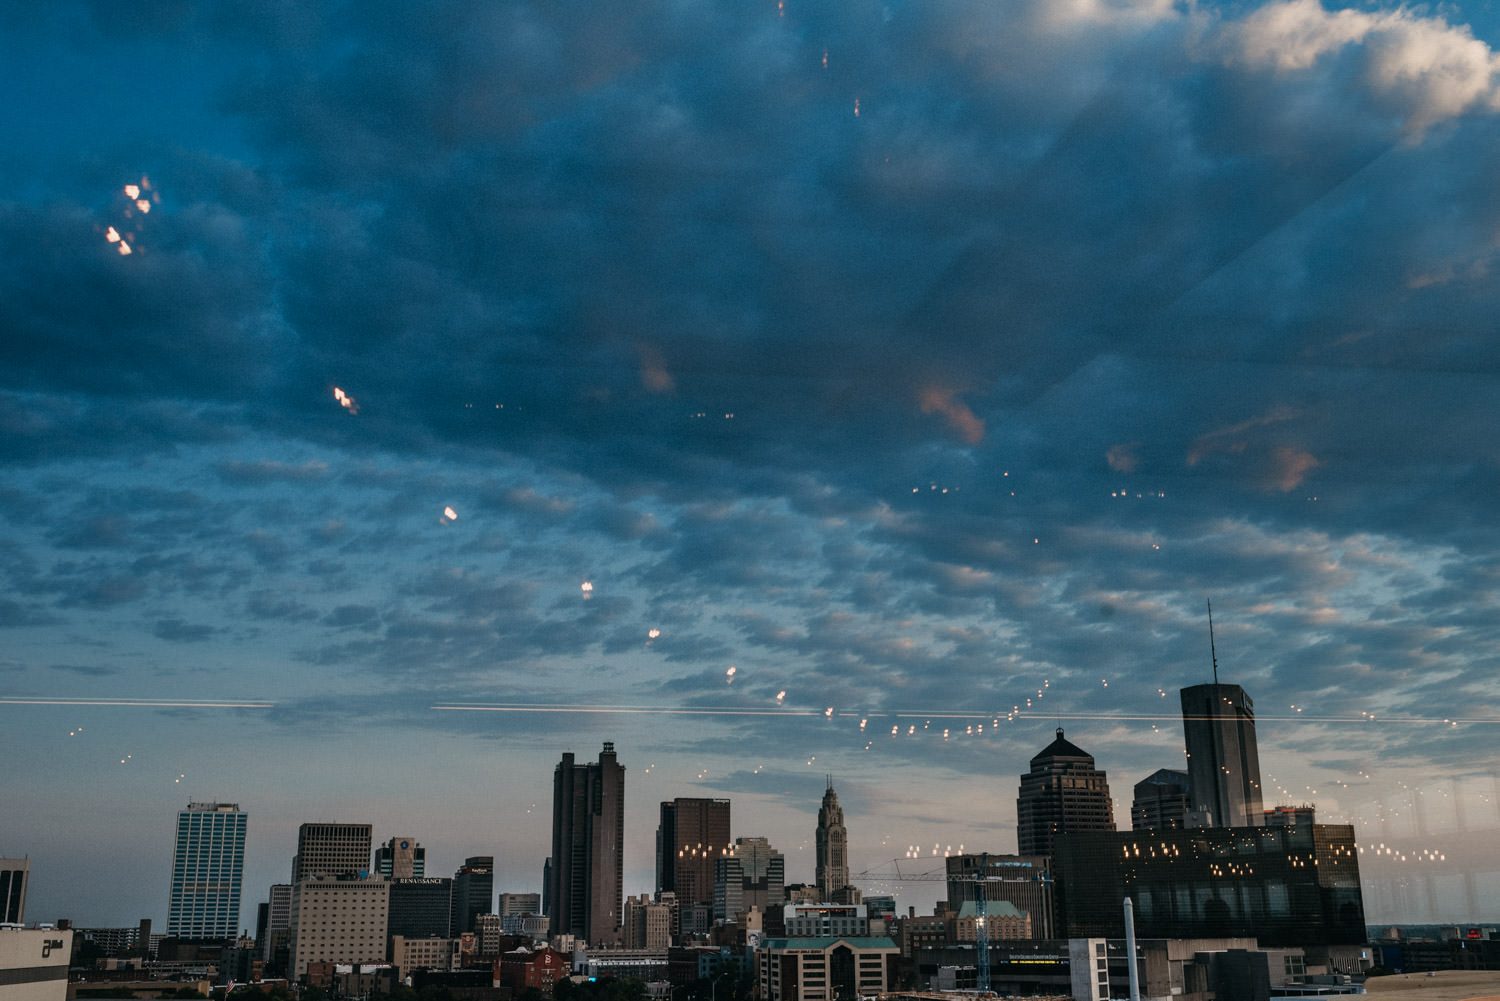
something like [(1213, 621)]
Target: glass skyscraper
[(207, 868)]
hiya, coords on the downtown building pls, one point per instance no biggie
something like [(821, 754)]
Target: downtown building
[(208, 865), (1294, 885), (473, 892), (692, 836), (751, 875), (13, 875), (1022, 882), (338, 920), (331, 849), (1218, 722), (400, 858), (831, 840), (1063, 792), (586, 872)]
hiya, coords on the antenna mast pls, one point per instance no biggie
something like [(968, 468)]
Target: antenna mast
[(1211, 652)]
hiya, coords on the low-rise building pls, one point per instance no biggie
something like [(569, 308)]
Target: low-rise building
[(822, 969)]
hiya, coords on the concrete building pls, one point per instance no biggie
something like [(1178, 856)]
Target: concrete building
[(13, 876), (331, 849), (648, 925), (278, 921), (752, 874), (473, 892), (1286, 886), (823, 969), (825, 920), (400, 858), (832, 846), (1163, 802), (588, 825), (208, 867), (428, 953), (1062, 792), (692, 835), (338, 921), (34, 963), (1223, 760), (514, 907), (1022, 881)]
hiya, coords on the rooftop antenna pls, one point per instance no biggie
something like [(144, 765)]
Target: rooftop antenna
[(1211, 652)]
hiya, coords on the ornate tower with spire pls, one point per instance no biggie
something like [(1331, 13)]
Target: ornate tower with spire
[(832, 872)]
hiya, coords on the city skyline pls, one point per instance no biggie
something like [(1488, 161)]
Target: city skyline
[(393, 399)]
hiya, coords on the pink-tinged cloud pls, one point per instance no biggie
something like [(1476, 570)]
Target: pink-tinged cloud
[(1122, 458), (654, 375), (1291, 466), (1229, 440), (937, 400)]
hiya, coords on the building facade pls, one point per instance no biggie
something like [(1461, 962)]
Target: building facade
[(338, 921), (692, 835), (648, 925), (473, 891), (400, 858), (34, 963), (1285, 886), (331, 849), (514, 907), (1062, 792), (1022, 881), (278, 921), (751, 874), (13, 876), (426, 953), (1162, 802), (832, 845), (587, 872), (1223, 760), (208, 867), (823, 969), (825, 920), (421, 907)]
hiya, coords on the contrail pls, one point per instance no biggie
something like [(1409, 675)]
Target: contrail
[(139, 703)]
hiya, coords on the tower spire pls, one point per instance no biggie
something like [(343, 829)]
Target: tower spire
[(1211, 652)]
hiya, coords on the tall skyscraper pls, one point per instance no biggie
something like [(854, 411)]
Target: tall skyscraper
[(208, 865), (751, 874), (400, 858), (13, 872), (331, 849), (473, 891), (586, 880), (692, 835), (1062, 792), (1162, 802), (420, 907), (832, 846), (1223, 761)]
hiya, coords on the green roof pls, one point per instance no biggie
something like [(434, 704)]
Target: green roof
[(855, 941)]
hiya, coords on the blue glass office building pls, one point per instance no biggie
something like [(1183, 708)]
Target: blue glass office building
[(207, 869)]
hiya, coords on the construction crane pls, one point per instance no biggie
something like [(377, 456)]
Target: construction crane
[(980, 879)]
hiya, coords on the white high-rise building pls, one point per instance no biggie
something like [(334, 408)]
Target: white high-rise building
[(208, 866), (338, 921)]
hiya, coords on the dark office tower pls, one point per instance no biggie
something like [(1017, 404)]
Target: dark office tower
[(588, 814), (1223, 763), (693, 834), (832, 845), (473, 891), (208, 864), (400, 858), (1062, 792), (1162, 802), (329, 849), (421, 907), (13, 872)]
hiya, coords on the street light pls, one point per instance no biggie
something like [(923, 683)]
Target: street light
[(714, 987)]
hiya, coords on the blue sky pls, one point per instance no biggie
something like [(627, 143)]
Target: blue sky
[(922, 363)]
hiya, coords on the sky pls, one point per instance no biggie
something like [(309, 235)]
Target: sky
[(779, 390)]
